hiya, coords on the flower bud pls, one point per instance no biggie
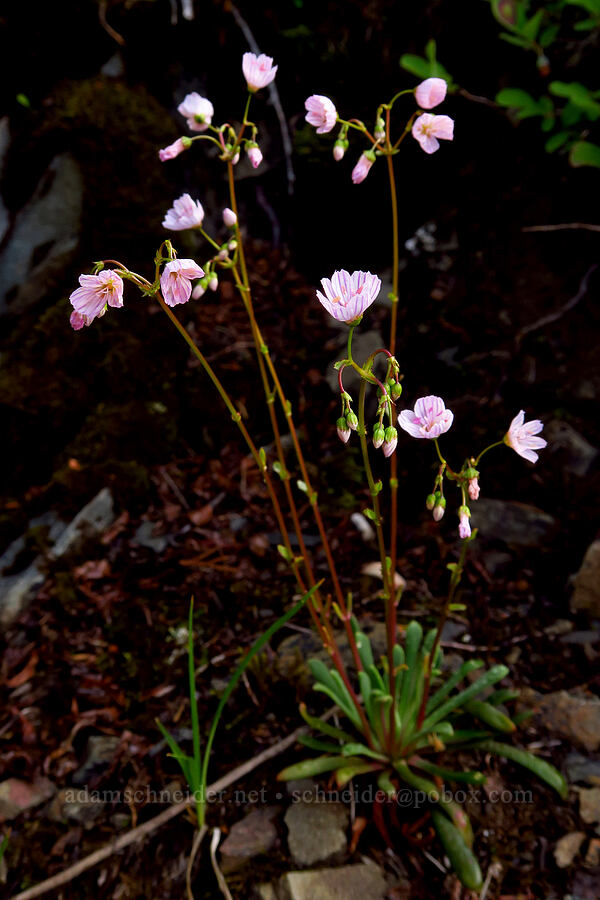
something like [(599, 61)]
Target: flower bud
[(229, 217), (396, 390), (232, 245), (339, 149), (236, 159), (391, 439), (254, 155), (473, 488), (213, 283), (342, 429), (430, 502), (352, 420), (222, 255), (439, 508), (378, 435), (464, 528), (200, 289), (379, 132), (361, 169)]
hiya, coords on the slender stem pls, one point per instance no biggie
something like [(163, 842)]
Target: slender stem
[(496, 444), (455, 580), (399, 94), (350, 336), (209, 239)]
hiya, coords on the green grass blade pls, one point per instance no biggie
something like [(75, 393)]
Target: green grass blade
[(365, 651), (193, 699), (315, 744), (461, 857), (442, 692), (324, 727), (503, 695), (316, 766), (539, 767), (496, 673), (491, 716), (254, 650), (448, 774)]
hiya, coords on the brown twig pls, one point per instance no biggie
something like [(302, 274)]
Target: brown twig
[(108, 28), (559, 313), (585, 226), (142, 831)]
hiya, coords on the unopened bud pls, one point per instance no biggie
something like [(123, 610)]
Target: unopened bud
[(396, 390), (254, 155), (473, 489), (339, 149), (199, 290), (378, 435), (430, 502), (342, 429), (213, 283), (391, 439), (439, 508), (232, 245), (222, 255), (379, 132), (229, 217), (236, 159), (352, 420), (464, 527)]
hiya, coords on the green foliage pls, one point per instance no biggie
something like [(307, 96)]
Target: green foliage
[(427, 66), (402, 732), (195, 767)]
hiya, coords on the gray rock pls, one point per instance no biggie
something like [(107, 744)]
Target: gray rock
[(575, 453), (586, 596), (582, 768), (317, 832), (567, 848), (360, 882), (4, 142), (18, 796), (516, 524), (572, 714), (145, 537), (77, 806), (44, 237), (581, 637), (589, 804), (91, 521), (264, 892), (252, 836), (18, 589), (99, 753)]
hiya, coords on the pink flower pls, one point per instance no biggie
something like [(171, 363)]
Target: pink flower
[(77, 320), (176, 280), (464, 527), (259, 71), (473, 489), (255, 156), (96, 293), (429, 419), (520, 437), (185, 213), (174, 149), (321, 113), (427, 129), (431, 92), (361, 169), (346, 296), (197, 110), (229, 217)]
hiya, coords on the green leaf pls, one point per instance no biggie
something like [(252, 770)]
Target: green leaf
[(324, 727), (591, 6), (467, 667), (385, 784), (365, 651), (357, 749), (496, 673), (532, 26), (416, 65), (302, 486), (370, 514), (515, 98), (461, 857), (430, 790), (583, 153), (285, 553), (514, 39), (309, 767), (430, 51), (505, 12), (319, 746), (503, 695), (578, 94), (346, 773), (279, 469), (548, 35), (538, 766), (22, 100), (489, 715), (449, 775), (586, 25), (571, 114)]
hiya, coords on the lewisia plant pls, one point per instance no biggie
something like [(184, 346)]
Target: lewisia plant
[(405, 716)]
